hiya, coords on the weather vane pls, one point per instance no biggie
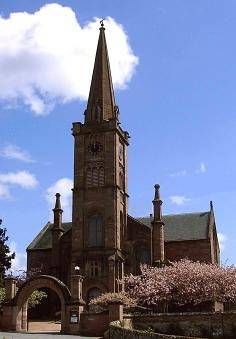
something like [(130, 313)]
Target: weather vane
[(101, 22)]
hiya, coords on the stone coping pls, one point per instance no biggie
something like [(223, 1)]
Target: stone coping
[(130, 315), (130, 331)]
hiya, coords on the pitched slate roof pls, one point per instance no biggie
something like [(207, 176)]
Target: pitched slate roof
[(178, 227), (44, 239)]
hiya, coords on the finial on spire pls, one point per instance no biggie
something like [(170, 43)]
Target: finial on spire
[(157, 192), (102, 23), (211, 205), (57, 211), (157, 202), (158, 243), (58, 202)]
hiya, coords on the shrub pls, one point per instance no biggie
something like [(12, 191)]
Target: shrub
[(104, 299)]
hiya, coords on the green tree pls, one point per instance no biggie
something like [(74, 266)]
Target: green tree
[(2, 295), (6, 256), (35, 298)]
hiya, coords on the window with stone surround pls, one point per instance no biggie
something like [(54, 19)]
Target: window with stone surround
[(95, 231), (93, 269), (142, 256), (122, 235), (101, 176), (95, 176), (121, 180)]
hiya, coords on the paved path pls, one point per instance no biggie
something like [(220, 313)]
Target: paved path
[(46, 326), (4, 335)]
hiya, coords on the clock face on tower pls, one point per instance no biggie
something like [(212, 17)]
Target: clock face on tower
[(95, 148)]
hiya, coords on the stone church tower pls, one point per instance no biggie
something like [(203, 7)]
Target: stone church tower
[(103, 242), (99, 218)]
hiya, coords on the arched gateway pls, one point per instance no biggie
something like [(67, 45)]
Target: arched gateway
[(73, 319), (15, 308)]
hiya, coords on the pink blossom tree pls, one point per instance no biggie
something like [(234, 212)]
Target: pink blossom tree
[(182, 283)]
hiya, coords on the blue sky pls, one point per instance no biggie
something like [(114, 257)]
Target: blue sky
[(178, 105)]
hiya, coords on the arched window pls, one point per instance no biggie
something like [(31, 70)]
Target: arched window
[(101, 176), (142, 257), (122, 228), (91, 294), (121, 180), (95, 176), (95, 231)]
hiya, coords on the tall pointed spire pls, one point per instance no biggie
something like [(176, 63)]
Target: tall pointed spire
[(101, 102)]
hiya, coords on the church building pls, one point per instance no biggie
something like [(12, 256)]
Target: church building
[(103, 242)]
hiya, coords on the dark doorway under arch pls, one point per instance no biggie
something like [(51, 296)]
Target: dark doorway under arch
[(46, 316)]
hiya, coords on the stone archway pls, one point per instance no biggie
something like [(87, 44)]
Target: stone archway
[(15, 311)]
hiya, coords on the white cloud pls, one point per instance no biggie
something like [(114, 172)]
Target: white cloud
[(21, 178), (180, 173), (19, 263), (202, 168), (62, 186), (222, 240), (47, 57), (15, 152), (179, 199), (4, 191)]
